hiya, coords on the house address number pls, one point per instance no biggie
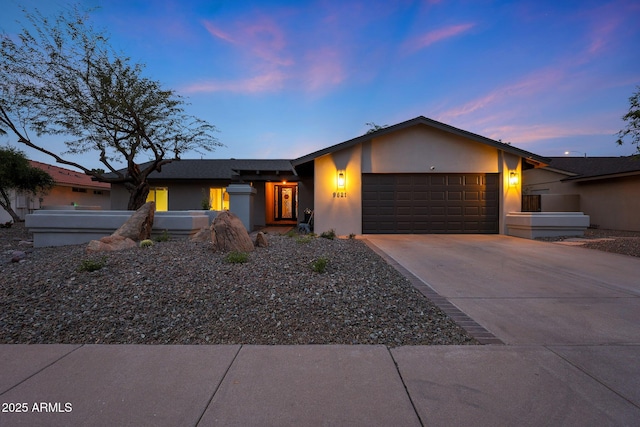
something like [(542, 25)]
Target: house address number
[(339, 194)]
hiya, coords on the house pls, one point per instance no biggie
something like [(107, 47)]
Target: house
[(605, 188), (72, 188), (418, 176), (197, 184)]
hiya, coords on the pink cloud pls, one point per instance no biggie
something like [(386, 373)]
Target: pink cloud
[(532, 84), (217, 32), (325, 69), (435, 36), (270, 81)]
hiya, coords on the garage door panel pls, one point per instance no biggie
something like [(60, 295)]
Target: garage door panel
[(455, 180), (472, 195), (454, 195), (430, 203)]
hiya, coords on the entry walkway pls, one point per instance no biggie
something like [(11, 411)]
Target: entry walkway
[(569, 318)]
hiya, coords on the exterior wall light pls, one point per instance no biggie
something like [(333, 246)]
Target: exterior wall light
[(341, 180), (513, 178), (341, 184)]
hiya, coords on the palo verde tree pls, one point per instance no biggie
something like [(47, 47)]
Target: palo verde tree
[(61, 77), (632, 118), (17, 174)]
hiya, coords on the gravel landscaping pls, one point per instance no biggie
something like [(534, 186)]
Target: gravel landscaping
[(180, 292), (616, 241)]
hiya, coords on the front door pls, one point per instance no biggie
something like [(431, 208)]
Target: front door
[(286, 202)]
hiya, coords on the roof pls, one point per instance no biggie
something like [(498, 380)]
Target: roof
[(68, 177), (224, 169), (423, 121), (592, 168)]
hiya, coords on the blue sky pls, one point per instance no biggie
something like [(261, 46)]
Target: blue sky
[(281, 79)]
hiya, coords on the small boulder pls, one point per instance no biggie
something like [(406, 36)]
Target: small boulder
[(202, 236), (17, 256), (110, 244), (261, 240), (138, 226), (228, 234)]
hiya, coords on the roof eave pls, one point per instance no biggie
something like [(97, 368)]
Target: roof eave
[(580, 178)]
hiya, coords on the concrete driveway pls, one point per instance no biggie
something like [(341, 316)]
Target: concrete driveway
[(525, 291)]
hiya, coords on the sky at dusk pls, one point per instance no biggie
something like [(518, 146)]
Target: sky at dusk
[(281, 79)]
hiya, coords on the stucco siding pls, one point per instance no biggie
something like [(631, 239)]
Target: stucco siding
[(614, 207), (340, 212), (423, 149)]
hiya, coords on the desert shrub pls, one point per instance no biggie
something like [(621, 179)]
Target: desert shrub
[(331, 234), (320, 265), (304, 239), (92, 264), (291, 233), (164, 237), (236, 257)]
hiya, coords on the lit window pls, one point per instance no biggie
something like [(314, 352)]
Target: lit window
[(219, 199), (160, 195)]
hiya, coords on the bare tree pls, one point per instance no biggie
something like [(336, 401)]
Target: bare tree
[(62, 77)]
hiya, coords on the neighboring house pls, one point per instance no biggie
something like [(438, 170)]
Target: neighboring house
[(71, 188), (418, 176), (605, 188)]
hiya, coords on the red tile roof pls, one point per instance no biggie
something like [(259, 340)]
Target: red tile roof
[(68, 177)]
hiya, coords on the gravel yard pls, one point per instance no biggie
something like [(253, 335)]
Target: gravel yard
[(180, 292), (620, 242)]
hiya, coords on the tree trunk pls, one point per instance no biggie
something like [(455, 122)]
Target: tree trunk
[(6, 205), (138, 195)]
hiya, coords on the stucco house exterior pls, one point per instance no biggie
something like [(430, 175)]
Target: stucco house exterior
[(72, 188), (605, 188), (418, 176)]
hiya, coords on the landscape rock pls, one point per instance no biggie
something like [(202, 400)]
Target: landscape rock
[(138, 226), (17, 256), (110, 244), (261, 240), (228, 234), (202, 236)]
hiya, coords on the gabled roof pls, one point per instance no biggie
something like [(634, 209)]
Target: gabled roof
[(592, 168), (222, 169), (68, 177), (423, 121)]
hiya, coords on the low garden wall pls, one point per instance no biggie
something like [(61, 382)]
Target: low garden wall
[(73, 227), (532, 225)]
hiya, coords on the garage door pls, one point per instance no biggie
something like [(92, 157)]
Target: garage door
[(429, 203)]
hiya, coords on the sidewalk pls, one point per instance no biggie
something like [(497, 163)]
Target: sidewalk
[(318, 385)]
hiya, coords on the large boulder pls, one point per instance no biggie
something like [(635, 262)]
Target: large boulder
[(138, 226), (228, 234), (110, 244)]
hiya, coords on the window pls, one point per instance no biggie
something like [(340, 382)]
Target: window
[(78, 190), (219, 199), (160, 195)]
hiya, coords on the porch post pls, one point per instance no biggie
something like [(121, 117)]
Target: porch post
[(241, 203)]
